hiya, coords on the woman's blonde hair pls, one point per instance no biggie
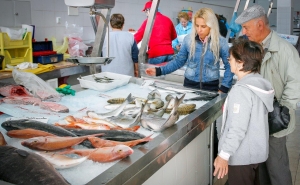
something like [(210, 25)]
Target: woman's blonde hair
[(211, 21)]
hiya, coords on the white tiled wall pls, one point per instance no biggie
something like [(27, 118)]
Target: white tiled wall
[(189, 167), (44, 13)]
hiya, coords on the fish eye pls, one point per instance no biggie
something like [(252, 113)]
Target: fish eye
[(35, 141)]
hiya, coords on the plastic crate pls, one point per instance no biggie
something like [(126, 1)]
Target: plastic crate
[(48, 59), (7, 43), (42, 46)]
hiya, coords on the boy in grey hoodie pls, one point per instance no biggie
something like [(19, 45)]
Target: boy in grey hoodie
[(244, 136)]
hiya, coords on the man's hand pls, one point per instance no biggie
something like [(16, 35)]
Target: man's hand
[(221, 167), (178, 47), (151, 71)]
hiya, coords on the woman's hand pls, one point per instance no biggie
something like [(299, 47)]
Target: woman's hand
[(151, 71), (221, 167)]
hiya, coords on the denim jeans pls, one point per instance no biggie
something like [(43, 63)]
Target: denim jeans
[(161, 59)]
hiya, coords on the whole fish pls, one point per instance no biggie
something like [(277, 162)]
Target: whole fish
[(26, 123), (2, 140), (55, 107), (13, 90), (98, 142), (154, 94), (23, 168), (126, 121), (51, 143), (92, 126), (184, 109), (27, 133), (99, 121), (159, 124), (116, 135), (103, 155), (157, 113), (115, 112), (115, 106), (203, 97), (23, 100), (61, 161)]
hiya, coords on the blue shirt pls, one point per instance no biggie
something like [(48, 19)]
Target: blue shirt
[(210, 68), (181, 31)]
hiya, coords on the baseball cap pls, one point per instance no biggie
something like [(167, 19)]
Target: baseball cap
[(147, 5), (250, 13)]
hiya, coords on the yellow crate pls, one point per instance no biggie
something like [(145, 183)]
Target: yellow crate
[(6, 42), (17, 56), (15, 51)]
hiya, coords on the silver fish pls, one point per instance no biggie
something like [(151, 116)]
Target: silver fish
[(61, 161), (154, 94), (115, 106), (126, 121), (157, 112), (155, 103), (159, 124), (115, 112)]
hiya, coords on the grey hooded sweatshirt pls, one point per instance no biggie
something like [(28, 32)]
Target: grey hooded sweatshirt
[(244, 136)]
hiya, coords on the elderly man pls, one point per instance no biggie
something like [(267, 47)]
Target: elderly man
[(281, 66)]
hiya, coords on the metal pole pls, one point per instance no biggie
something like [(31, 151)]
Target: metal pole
[(270, 8), (211, 153), (100, 35), (147, 33)]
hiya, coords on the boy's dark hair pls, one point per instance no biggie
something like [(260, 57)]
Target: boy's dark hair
[(117, 21), (249, 53)]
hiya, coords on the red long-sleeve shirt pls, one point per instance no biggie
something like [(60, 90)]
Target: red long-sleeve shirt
[(163, 32)]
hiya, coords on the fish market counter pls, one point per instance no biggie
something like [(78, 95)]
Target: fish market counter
[(178, 155), (62, 69)]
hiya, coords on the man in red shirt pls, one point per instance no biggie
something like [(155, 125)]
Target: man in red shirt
[(160, 43)]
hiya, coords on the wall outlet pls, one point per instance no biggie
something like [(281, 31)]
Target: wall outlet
[(72, 10)]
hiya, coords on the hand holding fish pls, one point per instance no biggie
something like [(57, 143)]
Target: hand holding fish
[(151, 71), (221, 167)]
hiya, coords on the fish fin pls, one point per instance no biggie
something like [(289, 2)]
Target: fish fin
[(22, 153)]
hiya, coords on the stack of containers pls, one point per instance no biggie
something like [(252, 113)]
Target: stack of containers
[(43, 53)]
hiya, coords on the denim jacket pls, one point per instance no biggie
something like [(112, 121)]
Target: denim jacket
[(210, 68)]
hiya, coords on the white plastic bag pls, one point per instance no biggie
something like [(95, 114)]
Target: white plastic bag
[(76, 46), (38, 87), (14, 34)]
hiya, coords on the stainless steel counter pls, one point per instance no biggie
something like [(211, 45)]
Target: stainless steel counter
[(149, 158), (146, 160), (62, 71)]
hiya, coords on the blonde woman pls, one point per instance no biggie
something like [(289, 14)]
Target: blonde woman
[(201, 51)]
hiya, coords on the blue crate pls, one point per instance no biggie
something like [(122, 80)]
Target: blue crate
[(42, 46), (49, 59)]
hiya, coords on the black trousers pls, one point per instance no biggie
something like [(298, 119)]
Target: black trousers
[(243, 174), (209, 86), (276, 170)]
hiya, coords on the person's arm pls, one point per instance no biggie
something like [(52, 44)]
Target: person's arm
[(175, 43), (178, 61), (134, 52), (136, 69), (289, 67), (228, 75), (135, 58), (138, 36)]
